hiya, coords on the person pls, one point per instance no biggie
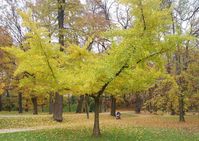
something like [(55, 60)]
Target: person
[(118, 114)]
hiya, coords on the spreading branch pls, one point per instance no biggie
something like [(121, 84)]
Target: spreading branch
[(101, 91)]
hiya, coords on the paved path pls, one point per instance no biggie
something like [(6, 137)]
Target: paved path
[(16, 130), (13, 130)]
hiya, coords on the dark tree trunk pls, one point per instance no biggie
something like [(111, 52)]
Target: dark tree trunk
[(181, 108), (105, 104), (61, 22), (58, 108), (96, 128), (50, 103), (80, 104), (20, 102), (69, 103), (0, 103), (26, 106), (113, 106), (86, 105), (138, 103), (34, 102), (101, 105), (8, 95), (58, 104)]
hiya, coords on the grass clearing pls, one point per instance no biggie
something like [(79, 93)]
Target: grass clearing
[(76, 127), (108, 134)]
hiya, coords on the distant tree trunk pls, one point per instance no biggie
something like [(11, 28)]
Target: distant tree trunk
[(34, 102), (50, 103), (96, 129), (58, 108), (20, 102), (26, 106), (69, 103), (113, 105), (0, 103), (149, 107), (105, 104), (172, 109), (180, 81), (102, 104), (126, 101), (86, 105), (80, 104), (181, 108), (42, 108), (8, 95), (138, 103), (169, 70)]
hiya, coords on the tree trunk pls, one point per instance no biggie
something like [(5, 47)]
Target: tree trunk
[(105, 104), (102, 104), (61, 22), (20, 102), (50, 103), (96, 128), (42, 108), (34, 102), (138, 103), (80, 104), (172, 109), (58, 104), (113, 106), (69, 103), (26, 106), (126, 101), (86, 105), (179, 82), (58, 108), (0, 103), (9, 102), (181, 108)]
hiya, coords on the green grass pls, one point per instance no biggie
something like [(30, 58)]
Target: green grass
[(75, 127), (126, 134)]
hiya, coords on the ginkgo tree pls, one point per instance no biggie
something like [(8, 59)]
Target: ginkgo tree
[(132, 63), (139, 51), (140, 46)]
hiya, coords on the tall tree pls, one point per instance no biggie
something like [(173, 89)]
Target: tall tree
[(58, 104)]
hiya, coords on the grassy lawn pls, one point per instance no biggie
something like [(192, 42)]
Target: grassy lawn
[(108, 134), (76, 127)]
